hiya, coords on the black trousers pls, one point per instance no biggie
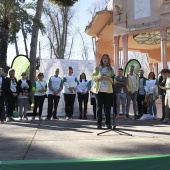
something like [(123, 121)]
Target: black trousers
[(103, 98), (69, 104), (53, 101), (163, 106), (83, 98), (11, 101), (141, 108), (1, 106), (38, 103)]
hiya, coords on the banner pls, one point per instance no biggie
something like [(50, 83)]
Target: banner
[(20, 64), (135, 63)]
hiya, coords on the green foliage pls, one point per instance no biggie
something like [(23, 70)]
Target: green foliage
[(63, 3)]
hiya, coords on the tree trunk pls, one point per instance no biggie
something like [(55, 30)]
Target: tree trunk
[(24, 36), (4, 35), (16, 45), (34, 42)]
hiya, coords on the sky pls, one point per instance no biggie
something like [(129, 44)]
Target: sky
[(82, 7)]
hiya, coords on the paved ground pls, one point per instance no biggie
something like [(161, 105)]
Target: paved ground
[(67, 139)]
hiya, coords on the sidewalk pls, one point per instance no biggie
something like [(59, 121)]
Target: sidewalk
[(72, 139)]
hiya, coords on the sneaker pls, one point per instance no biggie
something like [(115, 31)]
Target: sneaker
[(166, 120), (20, 118), (67, 118), (124, 117), (40, 118), (85, 117), (33, 118), (2, 121), (80, 117), (8, 119), (70, 117), (55, 118)]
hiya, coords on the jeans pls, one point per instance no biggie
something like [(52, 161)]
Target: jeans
[(119, 97), (152, 108), (134, 100)]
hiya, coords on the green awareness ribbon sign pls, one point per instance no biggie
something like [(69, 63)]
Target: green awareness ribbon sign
[(20, 64), (135, 63)]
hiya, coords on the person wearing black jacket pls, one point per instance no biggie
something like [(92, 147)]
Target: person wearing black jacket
[(11, 94), (162, 92), (24, 88), (2, 94)]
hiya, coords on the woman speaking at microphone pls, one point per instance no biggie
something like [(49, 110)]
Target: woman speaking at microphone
[(102, 87)]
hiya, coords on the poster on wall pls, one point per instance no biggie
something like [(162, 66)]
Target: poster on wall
[(142, 9)]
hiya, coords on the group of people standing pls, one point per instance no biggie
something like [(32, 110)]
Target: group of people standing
[(107, 90), (13, 91)]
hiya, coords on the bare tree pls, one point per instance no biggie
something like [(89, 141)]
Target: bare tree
[(84, 47), (59, 20)]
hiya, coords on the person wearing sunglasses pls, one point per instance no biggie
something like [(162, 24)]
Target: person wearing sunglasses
[(39, 88), (24, 88)]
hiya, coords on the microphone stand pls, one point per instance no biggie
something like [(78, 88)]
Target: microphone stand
[(117, 130)]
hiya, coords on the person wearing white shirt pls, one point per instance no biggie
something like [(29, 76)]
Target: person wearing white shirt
[(39, 88), (83, 95), (55, 86), (150, 89), (69, 90), (167, 96)]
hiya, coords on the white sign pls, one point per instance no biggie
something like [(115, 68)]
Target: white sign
[(47, 66), (142, 9)]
